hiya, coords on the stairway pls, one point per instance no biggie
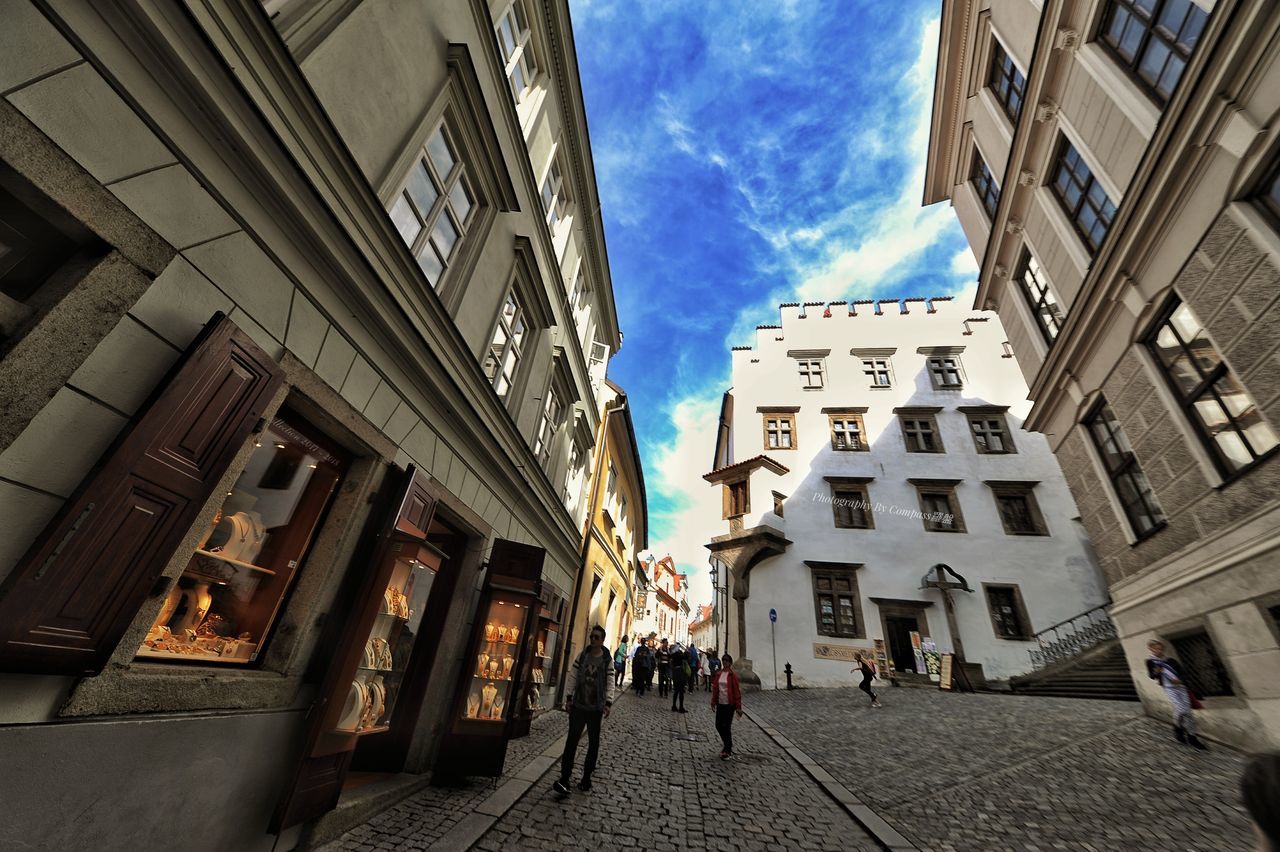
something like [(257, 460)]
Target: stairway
[(1100, 672)]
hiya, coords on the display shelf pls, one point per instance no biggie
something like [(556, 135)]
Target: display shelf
[(376, 729), (236, 562), (372, 669), (494, 679)]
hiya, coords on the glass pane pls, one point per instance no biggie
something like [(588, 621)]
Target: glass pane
[(430, 264), (1128, 46), (444, 236), (494, 674), (1232, 447), (441, 156), (224, 604), (506, 38), (518, 81), (421, 190), (1152, 64), (405, 220)]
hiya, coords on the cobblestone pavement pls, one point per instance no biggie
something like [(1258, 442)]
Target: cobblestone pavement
[(428, 815), (958, 772), (657, 790)]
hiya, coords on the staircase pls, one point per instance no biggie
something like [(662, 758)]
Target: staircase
[(1098, 672)]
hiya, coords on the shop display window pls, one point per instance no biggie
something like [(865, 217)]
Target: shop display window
[(539, 693), (222, 608), (490, 695), (371, 698)]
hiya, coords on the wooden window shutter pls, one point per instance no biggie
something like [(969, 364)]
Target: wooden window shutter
[(67, 603)]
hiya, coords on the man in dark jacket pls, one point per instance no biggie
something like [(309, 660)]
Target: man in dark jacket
[(663, 659), (679, 659), (641, 668), (588, 698)]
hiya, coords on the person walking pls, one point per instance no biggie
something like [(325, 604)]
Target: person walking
[(868, 670), (701, 676), (726, 700), (663, 658), (679, 677), (620, 663), (1168, 673), (641, 668), (713, 666), (588, 698)]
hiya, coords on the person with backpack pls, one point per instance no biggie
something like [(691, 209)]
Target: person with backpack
[(726, 700), (1168, 673), (679, 677), (588, 698), (868, 670), (620, 663)]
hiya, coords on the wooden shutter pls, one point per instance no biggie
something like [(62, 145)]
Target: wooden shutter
[(67, 603)]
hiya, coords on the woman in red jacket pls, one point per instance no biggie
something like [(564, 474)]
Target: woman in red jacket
[(726, 699)]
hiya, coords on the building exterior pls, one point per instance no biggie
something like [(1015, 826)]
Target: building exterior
[(665, 605), (865, 444), (304, 313), (1114, 166), (702, 630), (616, 528)]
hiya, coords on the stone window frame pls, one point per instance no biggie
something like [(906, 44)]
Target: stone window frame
[(1033, 278), (936, 365), (859, 488), (1124, 470), (1026, 490), (811, 363), (833, 572), (1109, 10), (779, 415), (945, 488), (984, 184), (1002, 68), (974, 413), (869, 363), (1020, 611), (927, 415), (1180, 635), (779, 503), (1062, 163), (848, 415)]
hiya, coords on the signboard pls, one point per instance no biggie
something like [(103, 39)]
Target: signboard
[(773, 615), (932, 659), (882, 660), (918, 649), (946, 671), (843, 653)]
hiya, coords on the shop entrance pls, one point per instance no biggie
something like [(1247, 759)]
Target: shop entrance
[(899, 628)]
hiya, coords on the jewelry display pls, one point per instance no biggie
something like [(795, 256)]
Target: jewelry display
[(488, 694), (502, 632), (352, 709), (493, 669), (370, 658), (512, 634), (244, 534), (507, 664), (473, 705), (490, 632), (541, 649), (381, 654), (483, 660), (498, 704), (535, 698)]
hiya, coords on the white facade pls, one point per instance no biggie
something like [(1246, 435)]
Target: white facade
[(1054, 573)]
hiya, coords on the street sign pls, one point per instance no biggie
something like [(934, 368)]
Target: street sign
[(773, 615)]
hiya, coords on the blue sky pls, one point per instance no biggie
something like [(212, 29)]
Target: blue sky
[(747, 154)]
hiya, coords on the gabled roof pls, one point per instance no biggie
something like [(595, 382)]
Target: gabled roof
[(746, 467)]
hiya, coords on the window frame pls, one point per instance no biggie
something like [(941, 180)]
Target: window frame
[(1267, 196), (1204, 390), (547, 431), (934, 378), (1020, 612), (945, 488), (972, 415), (780, 416), (513, 295), (832, 575), (555, 209), (860, 429), (1025, 491), (736, 499), (810, 368), (1072, 210), (850, 489), (1035, 302), (998, 68), (1176, 645), (917, 416), (1128, 468), (1150, 31), (523, 54), (984, 184)]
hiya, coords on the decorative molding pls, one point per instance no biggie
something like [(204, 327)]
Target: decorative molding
[(1013, 226), (884, 352), (1000, 271), (1046, 110), (1026, 177), (1066, 39)]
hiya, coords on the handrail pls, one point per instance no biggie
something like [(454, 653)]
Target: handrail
[(1105, 607), (1070, 637)]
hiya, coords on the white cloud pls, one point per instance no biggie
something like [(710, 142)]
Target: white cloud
[(963, 262)]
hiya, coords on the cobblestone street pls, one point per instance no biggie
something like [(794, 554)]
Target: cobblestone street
[(993, 772)]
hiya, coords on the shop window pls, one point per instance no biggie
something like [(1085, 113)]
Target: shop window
[(1224, 414), (224, 605), (1127, 477), (835, 602), (433, 208), (1202, 668), (1008, 612), (1153, 40)]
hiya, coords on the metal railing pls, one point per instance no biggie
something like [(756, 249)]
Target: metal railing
[(1068, 638)]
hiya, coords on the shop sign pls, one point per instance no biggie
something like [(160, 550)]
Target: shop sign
[(844, 653), (918, 649), (932, 659), (882, 659), (946, 671)]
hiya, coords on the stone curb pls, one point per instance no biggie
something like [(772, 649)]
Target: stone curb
[(881, 831)]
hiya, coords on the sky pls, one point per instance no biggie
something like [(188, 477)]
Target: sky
[(749, 153)]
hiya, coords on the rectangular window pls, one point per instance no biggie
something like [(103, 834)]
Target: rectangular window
[(985, 185), (848, 432), (779, 500), (1044, 305), (779, 431), (1082, 198), (810, 372), (1221, 409), (555, 200), (737, 499), (503, 359), (1006, 81), (552, 416), (1008, 614), (1202, 668), (433, 208), (1019, 512), (990, 433), (517, 53), (224, 605), (1127, 479), (939, 507), (920, 433), (850, 508), (877, 372), (1153, 39), (836, 605), (944, 372)]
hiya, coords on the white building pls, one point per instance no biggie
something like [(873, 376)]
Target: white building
[(863, 444)]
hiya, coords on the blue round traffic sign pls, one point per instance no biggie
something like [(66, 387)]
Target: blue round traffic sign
[(773, 615)]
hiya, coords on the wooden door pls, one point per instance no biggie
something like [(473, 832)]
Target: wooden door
[(67, 603), (405, 503), (901, 652)]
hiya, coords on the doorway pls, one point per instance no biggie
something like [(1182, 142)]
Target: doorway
[(898, 629)]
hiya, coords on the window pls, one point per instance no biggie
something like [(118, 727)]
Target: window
[(939, 507), (779, 431), (1222, 410), (944, 372), (1082, 197), (611, 484), (1128, 480), (503, 360), (517, 53), (848, 432), (1017, 507), (737, 498), (1202, 668), (433, 208), (1153, 39), (1035, 287), (990, 433), (622, 511), (877, 372), (778, 503), (548, 425), (810, 372), (985, 185), (1008, 613), (835, 601), (555, 201), (850, 507), (1006, 82), (920, 431)]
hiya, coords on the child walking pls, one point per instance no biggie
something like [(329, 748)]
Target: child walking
[(726, 700), (868, 670)]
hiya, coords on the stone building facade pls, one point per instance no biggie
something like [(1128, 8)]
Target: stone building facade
[(1114, 166), (304, 313)]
